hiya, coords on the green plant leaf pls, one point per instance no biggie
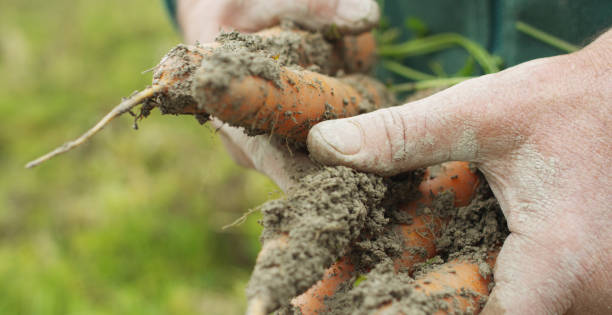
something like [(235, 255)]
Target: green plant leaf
[(545, 37), (406, 72), (467, 69), (416, 26), (437, 68), (426, 84), (439, 42)]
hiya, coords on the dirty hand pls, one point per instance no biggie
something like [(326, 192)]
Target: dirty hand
[(541, 132), (201, 20)]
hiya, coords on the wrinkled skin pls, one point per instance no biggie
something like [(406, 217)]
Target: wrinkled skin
[(540, 132)]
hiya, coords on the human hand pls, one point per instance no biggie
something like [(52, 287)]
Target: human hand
[(541, 134), (202, 19)]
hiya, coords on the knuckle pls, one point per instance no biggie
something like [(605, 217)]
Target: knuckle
[(394, 127), (322, 7)]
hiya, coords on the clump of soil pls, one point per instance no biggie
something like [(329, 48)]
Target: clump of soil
[(329, 208), (474, 230), (288, 48), (176, 71)]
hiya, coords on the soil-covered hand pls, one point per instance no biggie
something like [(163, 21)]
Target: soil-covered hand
[(201, 20), (541, 132)]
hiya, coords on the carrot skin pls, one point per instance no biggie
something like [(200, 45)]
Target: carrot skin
[(351, 53), (312, 301), (355, 53), (458, 276), (304, 99), (457, 177)]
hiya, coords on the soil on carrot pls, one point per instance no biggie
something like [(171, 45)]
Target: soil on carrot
[(196, 76), (329, 208), (472, 233), (234, 55), (176, 72), (241, 55)]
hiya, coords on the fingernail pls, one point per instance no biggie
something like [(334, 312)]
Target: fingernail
[(341, 136), (355, 10)]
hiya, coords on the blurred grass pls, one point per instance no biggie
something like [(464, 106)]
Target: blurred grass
[(129, 223)]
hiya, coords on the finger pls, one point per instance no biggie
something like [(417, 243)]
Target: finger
[(467, 122), (199, 20), (229, 141), (348, 16), (264, 154), (527, 282)]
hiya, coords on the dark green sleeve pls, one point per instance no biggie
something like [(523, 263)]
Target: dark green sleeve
[(171, 8)]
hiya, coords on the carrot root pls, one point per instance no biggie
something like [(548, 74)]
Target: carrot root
[(123, 107), (302, 100)]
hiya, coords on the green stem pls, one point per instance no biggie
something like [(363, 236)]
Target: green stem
[(426, 84), (406, 72), (388, 36), (439, 42), (545, 37), (416, 47)]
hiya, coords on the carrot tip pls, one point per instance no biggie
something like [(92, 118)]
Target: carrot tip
[(125, 106)]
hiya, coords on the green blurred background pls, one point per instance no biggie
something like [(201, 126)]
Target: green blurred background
[(131, 222)]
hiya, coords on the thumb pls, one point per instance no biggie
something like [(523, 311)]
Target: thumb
[(446, 126), (348, 16), (527, 282)]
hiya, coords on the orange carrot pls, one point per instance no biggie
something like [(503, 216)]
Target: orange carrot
[(287, 107), (351, 53), (312, 301), (304, 99), (457, 286), (355, 53), (457, 177)]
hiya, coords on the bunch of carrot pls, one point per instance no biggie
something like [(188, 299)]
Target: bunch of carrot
[(288, 105)]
